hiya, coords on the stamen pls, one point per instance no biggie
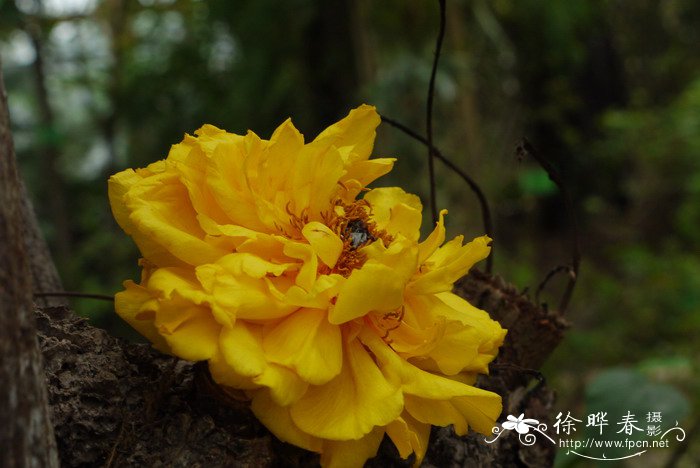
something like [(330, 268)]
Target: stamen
[(355, 228)]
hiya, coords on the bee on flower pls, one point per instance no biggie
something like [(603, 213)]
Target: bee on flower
[(305, 291)]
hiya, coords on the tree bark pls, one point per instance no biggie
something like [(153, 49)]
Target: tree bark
[(26, 433)]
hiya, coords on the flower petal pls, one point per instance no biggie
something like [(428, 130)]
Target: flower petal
[(242, 350), (410, 436), (190, 162), (434, 240), (356, 131), (306, 343), (131, 304), (119, 184), (354, 301), (361, 173), (309, 267), (449, 263), (396, 211), (160, 211), (348, 453), (479, 408), (490, 334), (325, 242), (351, 404), (196, 338), (277, 419), (240, 296)]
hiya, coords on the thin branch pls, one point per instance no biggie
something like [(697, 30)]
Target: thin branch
[(525, 148), (483, 203), (429, 112), (103, 297), (554, 271)]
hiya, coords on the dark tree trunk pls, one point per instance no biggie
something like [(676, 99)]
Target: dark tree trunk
[(26, 433)]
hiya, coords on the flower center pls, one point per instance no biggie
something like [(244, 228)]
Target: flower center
[(352, 223)]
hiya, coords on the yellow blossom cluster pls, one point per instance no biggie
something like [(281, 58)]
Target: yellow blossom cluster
[(306, 292)]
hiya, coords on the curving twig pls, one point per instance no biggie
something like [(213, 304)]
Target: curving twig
[(552, 273), (429, 113), (483, 203), (524, 148)]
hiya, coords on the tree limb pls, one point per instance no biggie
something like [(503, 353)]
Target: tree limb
[(26, 435)]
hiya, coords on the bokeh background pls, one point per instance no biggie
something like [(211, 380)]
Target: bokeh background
[(608, 91)]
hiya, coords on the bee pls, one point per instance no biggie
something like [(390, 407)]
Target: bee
[(359, 233)]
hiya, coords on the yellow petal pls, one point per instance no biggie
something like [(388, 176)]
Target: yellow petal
[(228, 180), (351, 453), (241, 296), (323, 291), (161, 212), (190, 162), (129, 304), (239, 264), (277, 419), (285, 144), (411, 341), (163, 281), (309, 268), (196, 338), (361, 173), (315, 181), (409, 436), (489, 332), (480, 411), (224, 375), (119, 184), (174, 307), (401, 256), (325, 242), (357, 130), (373, 287), (396, 211), (436, 412), (434, 240), (306, 343), (455, 333), (241, 347), (449, 263), (479, 408), (351, 404)]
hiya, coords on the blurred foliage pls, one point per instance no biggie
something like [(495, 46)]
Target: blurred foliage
[(607, 90)]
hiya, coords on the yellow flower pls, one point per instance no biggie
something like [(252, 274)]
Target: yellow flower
[(325, 309)]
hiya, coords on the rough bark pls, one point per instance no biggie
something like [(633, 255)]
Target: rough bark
[(121, 404), (26, 435)]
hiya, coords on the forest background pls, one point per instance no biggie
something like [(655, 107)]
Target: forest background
[(607, 91)]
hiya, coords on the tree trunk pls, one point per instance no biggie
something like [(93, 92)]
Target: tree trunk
[(26, 433)]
